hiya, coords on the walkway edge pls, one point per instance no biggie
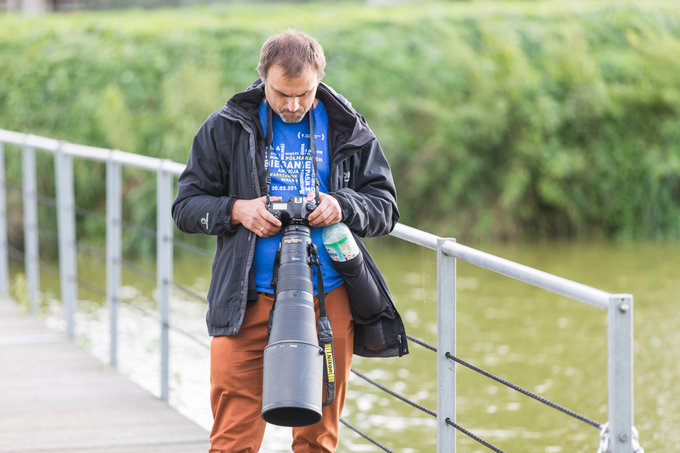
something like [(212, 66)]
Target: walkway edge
[(55, 397)]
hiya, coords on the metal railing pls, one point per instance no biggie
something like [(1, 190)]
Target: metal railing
[(619, 430), (619, 309)]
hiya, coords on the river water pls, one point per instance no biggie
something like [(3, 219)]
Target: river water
[(545, 343)]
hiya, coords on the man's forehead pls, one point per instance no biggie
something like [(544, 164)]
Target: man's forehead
[(291, 85)]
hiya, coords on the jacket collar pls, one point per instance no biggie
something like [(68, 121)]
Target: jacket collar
[(349, 124)]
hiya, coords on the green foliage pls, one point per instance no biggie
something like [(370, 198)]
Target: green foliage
[(500, 119)]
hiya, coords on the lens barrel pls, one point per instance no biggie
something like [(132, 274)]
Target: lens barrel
[(293, 361)]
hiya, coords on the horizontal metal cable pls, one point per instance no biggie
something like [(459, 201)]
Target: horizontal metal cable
[(365, 436), (49, 233), (148, 232), (48, 267), (421, 343), (144, 311), (46, 200), (85, 284), (91, 287), (13, 186), (15, 253), (193, 248), (84, 212), (92, 251), (190, 336), (394, 394), (509, 384), (172, 327), (428, 411), (140, 270), (526, 392), (189, 292), (147, 273), (473, 436)]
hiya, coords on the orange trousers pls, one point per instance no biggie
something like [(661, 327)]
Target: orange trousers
[(236, 381)]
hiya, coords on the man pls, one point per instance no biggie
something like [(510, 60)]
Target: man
[(221, 192)]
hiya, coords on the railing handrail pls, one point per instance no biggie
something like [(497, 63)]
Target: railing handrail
[(550, 282), (619, 307), (91, 152)]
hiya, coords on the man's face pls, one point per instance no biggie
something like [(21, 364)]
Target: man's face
[(291, 98)]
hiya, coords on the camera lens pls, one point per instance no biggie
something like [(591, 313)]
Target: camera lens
[(293, 360)]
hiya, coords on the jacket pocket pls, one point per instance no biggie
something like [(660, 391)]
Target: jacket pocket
[(371, 337), (381, 338)]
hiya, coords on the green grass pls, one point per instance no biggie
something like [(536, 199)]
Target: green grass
[(501, 119)]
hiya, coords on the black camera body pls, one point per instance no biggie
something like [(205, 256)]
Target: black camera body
[(292, 212)]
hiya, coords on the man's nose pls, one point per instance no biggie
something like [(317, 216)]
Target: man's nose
[(293, 104)]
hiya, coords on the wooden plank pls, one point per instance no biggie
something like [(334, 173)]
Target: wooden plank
[(55, 397)]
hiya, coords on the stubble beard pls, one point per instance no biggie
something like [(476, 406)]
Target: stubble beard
[(292, 117)]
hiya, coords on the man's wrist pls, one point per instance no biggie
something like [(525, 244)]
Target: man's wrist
[(232, 212)]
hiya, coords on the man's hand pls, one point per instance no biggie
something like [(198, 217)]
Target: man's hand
[(327, 213), (253, 215)]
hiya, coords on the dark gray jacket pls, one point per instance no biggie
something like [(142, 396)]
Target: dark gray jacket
[(226, 163)]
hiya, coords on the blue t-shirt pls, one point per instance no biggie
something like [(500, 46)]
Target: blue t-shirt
[(292, 174)]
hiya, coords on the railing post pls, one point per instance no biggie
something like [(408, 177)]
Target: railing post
[(63, 167), (446, 343), (31, 252), (620, 344), (113, 252), (4, 243), (164, 270)]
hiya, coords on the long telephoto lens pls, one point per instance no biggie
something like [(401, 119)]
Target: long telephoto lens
[(293, 361)]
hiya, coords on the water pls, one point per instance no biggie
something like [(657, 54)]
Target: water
[(545, 343)]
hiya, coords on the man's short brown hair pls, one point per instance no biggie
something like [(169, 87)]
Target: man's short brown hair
[(293, 51)]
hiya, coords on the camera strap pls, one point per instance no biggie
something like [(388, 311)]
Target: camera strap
[(274, 283), (325, 332), (269, 140)]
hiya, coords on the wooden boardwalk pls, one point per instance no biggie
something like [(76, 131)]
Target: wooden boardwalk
[(55, 397)]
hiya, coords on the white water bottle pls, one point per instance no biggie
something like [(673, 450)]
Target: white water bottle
[(339, 242)]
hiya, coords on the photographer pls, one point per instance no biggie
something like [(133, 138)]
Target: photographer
[(222, 192)]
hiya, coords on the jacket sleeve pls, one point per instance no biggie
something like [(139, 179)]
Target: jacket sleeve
[(201, 205), (369, 203)]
